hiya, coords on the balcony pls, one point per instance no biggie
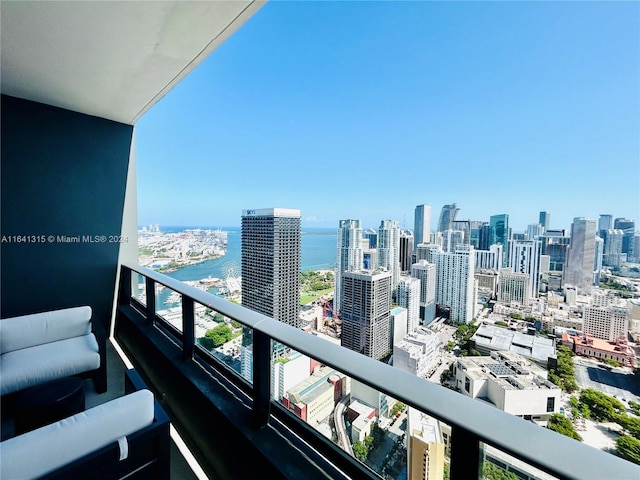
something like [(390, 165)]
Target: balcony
[(222, 416)]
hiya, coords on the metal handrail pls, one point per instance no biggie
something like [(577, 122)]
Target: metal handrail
[(471, 421)]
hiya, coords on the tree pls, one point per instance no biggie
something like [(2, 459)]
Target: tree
[(563, 375), (397, 408), (628, 448), (360, 451), (493, 472), (602, 407), (561, 424), (611, 362), (631, 424), (206, 343), (219, 335), (218, 318), (515, 316)]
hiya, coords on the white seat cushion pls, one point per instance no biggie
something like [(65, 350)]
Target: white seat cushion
[(39, 328), (24, 368), (42, 451)]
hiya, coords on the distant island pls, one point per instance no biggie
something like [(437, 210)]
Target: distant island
[(166, 252)]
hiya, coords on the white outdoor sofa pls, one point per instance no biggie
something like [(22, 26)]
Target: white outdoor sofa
[(46, 346), (127, 436)]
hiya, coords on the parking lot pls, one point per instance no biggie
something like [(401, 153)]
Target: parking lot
[(617, 383)]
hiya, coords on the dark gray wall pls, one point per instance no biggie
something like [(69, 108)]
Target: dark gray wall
[(63, 174)]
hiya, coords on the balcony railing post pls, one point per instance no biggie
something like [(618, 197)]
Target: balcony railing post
[(261, 379), (151, 299), (124, 291), (188, 328), (465, 454)]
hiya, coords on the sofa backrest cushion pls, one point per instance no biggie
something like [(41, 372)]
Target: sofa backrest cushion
[(46, 449), (39, 328)]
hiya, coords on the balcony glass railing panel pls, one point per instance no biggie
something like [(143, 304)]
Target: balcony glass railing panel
[(169, 306), (138, 287), (459, 453), (221, 338), (364, 422)]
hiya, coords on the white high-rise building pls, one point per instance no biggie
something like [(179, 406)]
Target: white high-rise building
[(613, 247), (366, 306), (349, 256), (417, 352), (581, 255), (524, 257), (513, 287), (422, 224), (389, 249), (608, 323), (534, 231), (455, 283), (597, 263), (451, 239), (426, 273), (489, 259), (408, 296)]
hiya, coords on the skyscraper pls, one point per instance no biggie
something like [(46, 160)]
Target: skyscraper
[(270, 256), (408, 296), (613, 247), (366, 306), (628, 227), (426, 273), (605, 222), (500, 227), (455, 283), (422, 224), (608, 323), (447, 216), (485, 236), (349, 255), (524, 257), (406, 250), (544, 219), (270, 252), (452, 238), (463, 226), (389, 249), (581, 255), (534, 231), (513, 287)]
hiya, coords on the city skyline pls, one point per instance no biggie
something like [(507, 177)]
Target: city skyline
[(307, 94)]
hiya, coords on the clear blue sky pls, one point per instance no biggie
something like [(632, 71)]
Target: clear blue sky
[(366, 109)]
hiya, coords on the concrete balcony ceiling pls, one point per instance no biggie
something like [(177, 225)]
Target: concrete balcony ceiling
[(113, 60)]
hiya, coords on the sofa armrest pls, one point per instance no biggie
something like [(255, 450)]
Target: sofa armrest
[(67, 441), (149, 450), (35, 329)]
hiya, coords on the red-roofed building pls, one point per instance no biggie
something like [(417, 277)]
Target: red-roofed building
[(588, 346)]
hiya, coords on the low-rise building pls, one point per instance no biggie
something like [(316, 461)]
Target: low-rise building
[(314, 398), (589, 346), (491, 338), (417, 353), (510, 382), (361, 417)]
